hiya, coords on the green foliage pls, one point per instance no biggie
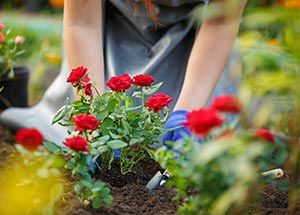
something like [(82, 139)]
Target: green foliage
[(88, 190), (10, 51), (220, 173), (124, 126)]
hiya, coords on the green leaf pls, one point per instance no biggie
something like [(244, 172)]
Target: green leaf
[(116, 144), (126, 126), (51, 147), (96, 202), (281, 157), (98, 186), (70, 165), (104, 138), (134, 108), (61, 113), (108, 199), (87, 183), (77, 188), (102, 149), (114, 136), (101, 115), (111, 106), (106, 126), (153, 89), (136, 140), (97, 144)]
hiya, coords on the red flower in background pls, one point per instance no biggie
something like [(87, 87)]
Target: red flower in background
[(265, 135), (87, 86), (227, 103), (1, 38), (30, 138), (158, 101), (202, 121), (77, 143), (119, 83), (76, 75), (142, 80), (85, 122), (2, 26)]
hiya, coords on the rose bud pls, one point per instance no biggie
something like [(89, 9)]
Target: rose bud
[(19, 40)]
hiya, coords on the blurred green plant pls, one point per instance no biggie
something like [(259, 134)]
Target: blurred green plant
[(271, 54), (218, 175), (43, 47), (10, 50)]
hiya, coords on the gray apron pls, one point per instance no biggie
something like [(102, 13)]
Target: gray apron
[(134, 44)]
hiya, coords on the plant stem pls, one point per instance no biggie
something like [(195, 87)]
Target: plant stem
[(143, 97), (96, 90)]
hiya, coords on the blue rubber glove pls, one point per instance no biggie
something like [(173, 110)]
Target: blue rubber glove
[(174, 121)]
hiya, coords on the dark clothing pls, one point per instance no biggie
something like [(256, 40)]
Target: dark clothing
[(134, 44)]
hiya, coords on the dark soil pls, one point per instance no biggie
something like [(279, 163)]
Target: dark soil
[(130, 195), (7, 150)]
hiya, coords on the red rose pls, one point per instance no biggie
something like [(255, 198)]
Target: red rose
[(1, 38), (87, 86), (30, 138), (77, 143), (2, 26), (76, 75), (119, 83), (265, 135), (158, 101), (85, 122), (227, 103), (142, 80), (202, 121)]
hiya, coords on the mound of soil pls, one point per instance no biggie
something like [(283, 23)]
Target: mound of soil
[(130, 195)]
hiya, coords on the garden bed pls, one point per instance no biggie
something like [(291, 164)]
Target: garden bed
[(130, 195)]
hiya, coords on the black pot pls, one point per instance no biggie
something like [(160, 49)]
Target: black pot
[(15, 92)]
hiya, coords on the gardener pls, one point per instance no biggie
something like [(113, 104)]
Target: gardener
[(155, 37)]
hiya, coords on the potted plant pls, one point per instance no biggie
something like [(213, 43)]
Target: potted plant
[(13, 79)]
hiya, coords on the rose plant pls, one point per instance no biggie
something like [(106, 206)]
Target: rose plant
[(224, 168), (113, 125), (10, 50)]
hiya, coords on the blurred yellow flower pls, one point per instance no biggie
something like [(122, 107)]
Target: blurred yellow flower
[(53, 58), (30, 186)]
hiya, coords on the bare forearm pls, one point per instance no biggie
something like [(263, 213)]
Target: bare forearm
[(208, 58), (83, 37), (84, 47), (207, 61)]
